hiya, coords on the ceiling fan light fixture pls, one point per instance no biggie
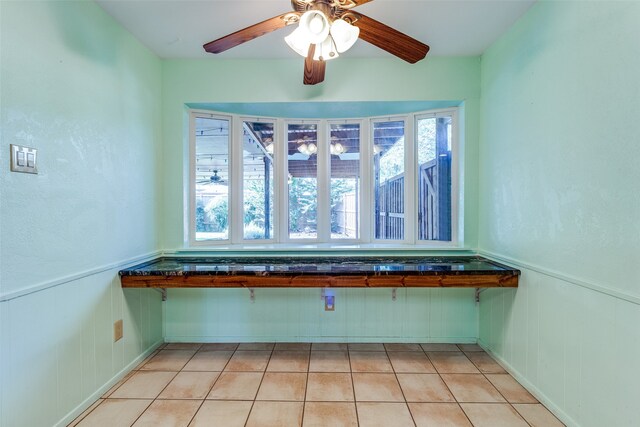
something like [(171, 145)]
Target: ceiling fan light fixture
[(315, 25), (337, 149), (344, 34), (326, 50), (316, 21), (297, 41), (308, 149), (270, 148)]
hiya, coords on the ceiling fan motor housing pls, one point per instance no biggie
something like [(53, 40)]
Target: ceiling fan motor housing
[(329, 7)]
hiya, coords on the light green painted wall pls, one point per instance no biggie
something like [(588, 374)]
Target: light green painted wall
[(559, 176), (79, 88), (82, 91), (296, 314), (560, 141), (245, 81)]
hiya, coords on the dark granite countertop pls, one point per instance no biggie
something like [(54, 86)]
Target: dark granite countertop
[(343, 266)]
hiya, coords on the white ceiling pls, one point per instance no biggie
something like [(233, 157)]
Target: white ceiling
[(179, 28)]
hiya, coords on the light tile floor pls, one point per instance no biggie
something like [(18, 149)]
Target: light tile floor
[(319, 385)]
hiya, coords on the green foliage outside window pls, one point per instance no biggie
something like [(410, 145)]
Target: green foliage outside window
[(218, 212)]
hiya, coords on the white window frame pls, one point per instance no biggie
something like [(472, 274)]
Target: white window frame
[(238, 226), (280, 171), (408, 183), (363, 183), (322, 198), (456, 164), (192, 178)]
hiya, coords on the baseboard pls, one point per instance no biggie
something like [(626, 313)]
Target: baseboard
[(322, 339), (536, 392), (74, 413)]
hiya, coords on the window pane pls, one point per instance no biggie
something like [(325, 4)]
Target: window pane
[(257, 166), (303, 180), (345, 181), (434, 178), (388, 169), (212, 178)]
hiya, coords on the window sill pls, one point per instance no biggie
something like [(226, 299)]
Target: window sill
[(353, 248)]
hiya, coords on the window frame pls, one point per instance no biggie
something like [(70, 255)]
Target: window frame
[(363, 171), (407, 183), (285, 236), (280, 237), (457, 230), (191, 232), (238, 200)]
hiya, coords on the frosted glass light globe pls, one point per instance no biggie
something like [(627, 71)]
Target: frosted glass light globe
[(344, 34)]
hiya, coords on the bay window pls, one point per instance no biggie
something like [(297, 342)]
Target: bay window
[(390, 180)]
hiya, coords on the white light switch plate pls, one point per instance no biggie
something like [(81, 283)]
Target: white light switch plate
[(24, 159)]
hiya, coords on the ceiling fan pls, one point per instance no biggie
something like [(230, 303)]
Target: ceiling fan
[(326, 28), (213, 179)]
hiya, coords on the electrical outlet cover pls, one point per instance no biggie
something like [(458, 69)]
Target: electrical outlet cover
[(117, 330), (329, 303)]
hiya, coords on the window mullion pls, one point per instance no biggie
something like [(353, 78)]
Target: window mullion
[(366, 171), (324, 182), (410, 187), (235, 183), (372, 184), (190, 236), (282, 187), (457, 180)]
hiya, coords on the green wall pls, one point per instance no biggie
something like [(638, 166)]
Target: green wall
[(559, 156), (550, 178), (81, 90), (297, 314)]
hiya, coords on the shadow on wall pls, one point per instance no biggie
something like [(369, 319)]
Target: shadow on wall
[(96, 42)]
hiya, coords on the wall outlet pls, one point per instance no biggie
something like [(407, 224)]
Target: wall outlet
[(117, 330), (329, 303)]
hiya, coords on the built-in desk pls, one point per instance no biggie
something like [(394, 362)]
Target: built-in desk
[(320, 272)]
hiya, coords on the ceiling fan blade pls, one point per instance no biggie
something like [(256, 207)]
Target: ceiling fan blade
[(391, 40), (250, 33), (313, 70)]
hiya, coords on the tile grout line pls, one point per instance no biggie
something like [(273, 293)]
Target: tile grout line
[(138, 369), (259, 385), (76, 421), (128, 375), (165, 387), (212, 385), (353, 387), (306, 388), (447, 386), (484, 374), (395, 374)]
